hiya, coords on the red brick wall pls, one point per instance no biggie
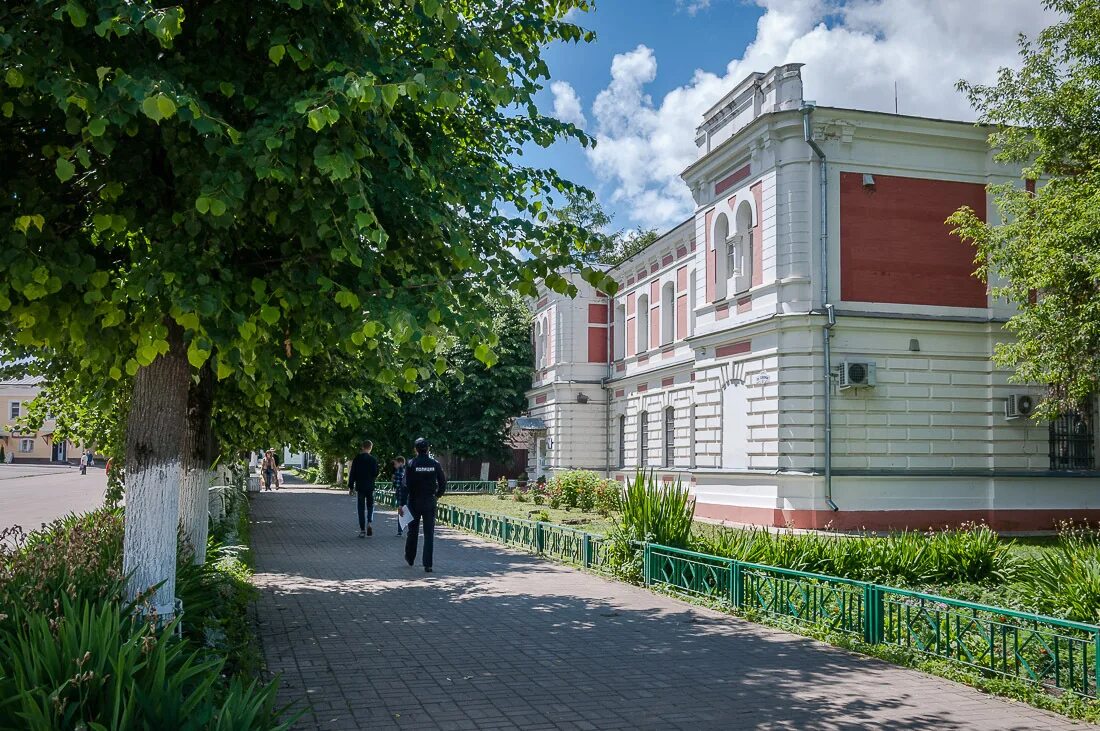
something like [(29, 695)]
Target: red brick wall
[(895, 247)]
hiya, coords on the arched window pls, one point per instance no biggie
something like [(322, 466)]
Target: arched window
[(643, 324), (622, 441), (722, 257), (670, 435), (668, 313), (643, 438), (743, 246), (620, 331), (691, 302), (540, 345)]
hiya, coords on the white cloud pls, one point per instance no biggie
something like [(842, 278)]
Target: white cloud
[(853, 51), (692, 6), (567, 105)]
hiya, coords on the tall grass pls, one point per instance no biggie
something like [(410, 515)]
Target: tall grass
[(1065, 579), (970, 554), (652, 512)]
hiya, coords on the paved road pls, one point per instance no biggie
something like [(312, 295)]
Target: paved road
[(497, 639), (31, 495)]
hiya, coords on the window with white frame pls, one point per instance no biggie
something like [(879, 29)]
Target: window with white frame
[(622, 441), (14, 410), (643, 438), (26, 445), (670, 435)]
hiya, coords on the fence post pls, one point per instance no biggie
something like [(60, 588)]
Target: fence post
[(872, 614), (587, 551), (738, 588), (538, 537), (477, 521), (1095, 665), (646, 560)]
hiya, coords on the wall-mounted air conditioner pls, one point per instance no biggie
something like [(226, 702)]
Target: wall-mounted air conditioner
[(857, 374), (1019, 405)]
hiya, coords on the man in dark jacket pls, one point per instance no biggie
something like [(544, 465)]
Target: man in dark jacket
[(364, 468), (425, 483)]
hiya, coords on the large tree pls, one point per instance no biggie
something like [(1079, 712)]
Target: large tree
[(242, 186), (1044, 253)]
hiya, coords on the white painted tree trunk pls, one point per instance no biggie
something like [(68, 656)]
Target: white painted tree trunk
[(339, 472), (194, 511), (154, 445)]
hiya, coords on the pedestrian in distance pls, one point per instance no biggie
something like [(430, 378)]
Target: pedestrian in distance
[(269, 468), (84, 463), (425, 483), (399, 490), (361, 476)]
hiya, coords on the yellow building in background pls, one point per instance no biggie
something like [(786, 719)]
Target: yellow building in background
[(19, 444)]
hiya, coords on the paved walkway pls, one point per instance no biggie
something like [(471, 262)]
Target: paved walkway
[(497, 639)]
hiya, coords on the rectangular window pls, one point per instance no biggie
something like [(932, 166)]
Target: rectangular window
[(643, 438), (26, 445), (1073, 441), (622, 441), (14, 410), (670, 435)]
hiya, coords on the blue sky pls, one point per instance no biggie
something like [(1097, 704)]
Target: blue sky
[(640, 88)]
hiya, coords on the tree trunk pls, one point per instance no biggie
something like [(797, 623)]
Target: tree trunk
[(339, 471), (198, 458), (154, 443)]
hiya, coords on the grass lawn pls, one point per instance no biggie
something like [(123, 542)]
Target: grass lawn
[(590, 522)]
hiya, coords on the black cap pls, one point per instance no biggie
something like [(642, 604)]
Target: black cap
[(421, 444)]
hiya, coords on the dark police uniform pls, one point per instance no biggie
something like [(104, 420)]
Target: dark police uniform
[(424, 483)]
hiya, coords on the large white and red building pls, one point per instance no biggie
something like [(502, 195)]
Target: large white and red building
[(811, 348)]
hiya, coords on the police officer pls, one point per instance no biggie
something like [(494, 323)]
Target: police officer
[(424, 483)]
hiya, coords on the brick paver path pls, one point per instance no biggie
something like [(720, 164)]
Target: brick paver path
[(497, 639)]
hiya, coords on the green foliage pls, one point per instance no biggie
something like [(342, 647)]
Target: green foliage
[(1043, 253), (519, 495), (607, 497), (650, 512), (967, 555), (316, 195), (502, 490), (72, 655), (1065, 581), (539, 493), (98, 665)]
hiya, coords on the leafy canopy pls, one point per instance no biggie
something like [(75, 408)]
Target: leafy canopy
[(1045, 254), (283, 180)]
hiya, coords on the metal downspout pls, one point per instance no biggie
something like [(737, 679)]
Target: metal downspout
[(830, 315)]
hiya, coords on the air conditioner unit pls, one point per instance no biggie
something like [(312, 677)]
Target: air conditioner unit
[(855, 374), (1019, 405)]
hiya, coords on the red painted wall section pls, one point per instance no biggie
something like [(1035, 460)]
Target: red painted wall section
[(757, 190), (654, 292), (712, 263), (666, 260), (721, 312), (630, 305), (666, 382), (631, 340), (597, 314), (895, 247), (681, 317), (744, 305), (731, 180), (722, 351), (597, 345), (654, 327), (540, 399), (681, 279)]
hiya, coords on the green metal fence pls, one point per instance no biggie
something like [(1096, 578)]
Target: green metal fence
[(457, 487), (1050, 652)]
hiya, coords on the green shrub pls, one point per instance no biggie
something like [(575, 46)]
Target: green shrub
[(607, 497), (969, 554), (501, 490), (555, 494), (542, 516), (96, 666), (578, 487), (649, 512), (519, 495), (1065, 580), (538, 493)]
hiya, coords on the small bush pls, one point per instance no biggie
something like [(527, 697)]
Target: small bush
[(542, 516), (578, 488), (1065, 581), (539, 493), (607, 497), (519, 495), (649, 512), (554, 493), (501, 490)]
